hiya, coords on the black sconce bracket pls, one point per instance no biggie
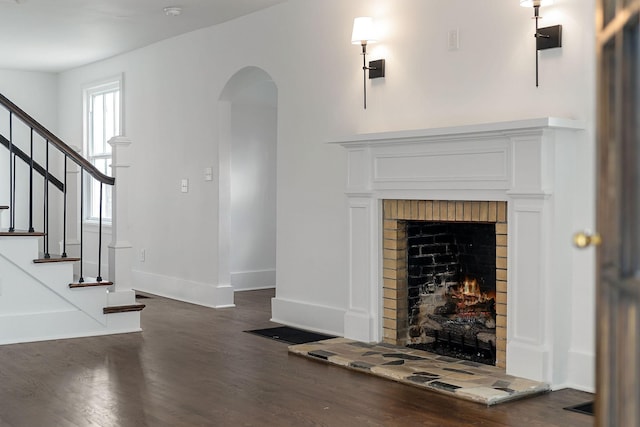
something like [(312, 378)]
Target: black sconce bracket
[(549, 37), (376, 69)]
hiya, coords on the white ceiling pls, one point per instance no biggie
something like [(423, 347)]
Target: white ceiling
[(56, 35)]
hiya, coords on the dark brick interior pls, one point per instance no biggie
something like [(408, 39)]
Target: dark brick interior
[(443, 252)]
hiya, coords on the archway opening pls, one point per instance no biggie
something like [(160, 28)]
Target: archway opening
[(248, 180)]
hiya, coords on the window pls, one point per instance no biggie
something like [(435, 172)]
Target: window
[(102, 106)]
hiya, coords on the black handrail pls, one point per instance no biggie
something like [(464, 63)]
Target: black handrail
[(36, 166), (57, 142)]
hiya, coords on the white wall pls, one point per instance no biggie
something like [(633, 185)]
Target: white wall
[(171, 112), (36, 93)]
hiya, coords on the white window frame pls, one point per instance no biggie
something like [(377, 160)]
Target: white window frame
[(89, 91)]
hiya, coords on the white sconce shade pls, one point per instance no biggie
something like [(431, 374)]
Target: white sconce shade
[(363, 30), (531, 3)]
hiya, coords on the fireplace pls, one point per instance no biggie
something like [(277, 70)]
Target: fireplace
[(445, 277), (428, 174)]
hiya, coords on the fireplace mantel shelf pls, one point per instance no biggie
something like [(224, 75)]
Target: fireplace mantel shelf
[(529, 164), (472, 130)]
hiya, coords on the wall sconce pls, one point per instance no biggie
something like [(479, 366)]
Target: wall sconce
[(362, 34), (548, 37)]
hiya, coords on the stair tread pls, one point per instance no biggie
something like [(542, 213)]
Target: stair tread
[(89, 284), (55, 258), (21, 233), (123, 308)]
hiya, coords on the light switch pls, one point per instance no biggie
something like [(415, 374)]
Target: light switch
[(453, 39), (184, 186), (208, 174)]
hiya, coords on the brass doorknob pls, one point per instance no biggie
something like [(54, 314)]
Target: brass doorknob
[(584, 239)]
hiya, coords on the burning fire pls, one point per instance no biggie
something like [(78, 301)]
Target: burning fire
[(468, 294)]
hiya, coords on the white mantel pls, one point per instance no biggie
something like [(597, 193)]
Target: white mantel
[(528, 164)]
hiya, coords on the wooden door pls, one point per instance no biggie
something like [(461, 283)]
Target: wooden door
[(618, 200)]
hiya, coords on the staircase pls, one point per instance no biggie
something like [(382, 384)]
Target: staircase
[(40, 297)]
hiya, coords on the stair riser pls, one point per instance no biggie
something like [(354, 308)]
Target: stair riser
[(47, 281), (121, 298), (22, 293), (60, 325), (4, 219), (19, 249)]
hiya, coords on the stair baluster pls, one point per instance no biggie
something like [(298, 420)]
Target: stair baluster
[(13, 191), (12, 199), (81, 279), (99, 278), (31, 229), (47, 255), (64, 211)]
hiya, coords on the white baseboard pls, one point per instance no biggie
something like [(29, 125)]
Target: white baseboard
[(205, 294), (253, 280), (581, 371), (531, 362), (59, 325), (359, 326), (317, 318), (528, 361)]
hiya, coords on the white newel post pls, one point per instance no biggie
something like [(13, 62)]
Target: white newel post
[(120, 249)]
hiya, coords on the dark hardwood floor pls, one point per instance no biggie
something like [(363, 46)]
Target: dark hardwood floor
[(193, 366)]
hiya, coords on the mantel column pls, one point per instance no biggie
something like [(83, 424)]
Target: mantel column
[(361, 321), (120, 250), (362, 318)]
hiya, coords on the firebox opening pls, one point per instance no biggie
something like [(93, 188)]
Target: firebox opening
[(452, 289)]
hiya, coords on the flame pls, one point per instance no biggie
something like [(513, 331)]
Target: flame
[(470, 287), (468, 294)]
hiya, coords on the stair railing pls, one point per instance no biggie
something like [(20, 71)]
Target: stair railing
[(86, 169)]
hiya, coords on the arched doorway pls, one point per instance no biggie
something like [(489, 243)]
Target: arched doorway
[(247, 172)]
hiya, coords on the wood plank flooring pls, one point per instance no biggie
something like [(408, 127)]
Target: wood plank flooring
[(193, 366)]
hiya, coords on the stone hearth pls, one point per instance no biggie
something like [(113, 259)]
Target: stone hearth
[(479, 383)]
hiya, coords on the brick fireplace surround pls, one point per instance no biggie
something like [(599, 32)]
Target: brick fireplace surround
[(394, 288), (483, 168)]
